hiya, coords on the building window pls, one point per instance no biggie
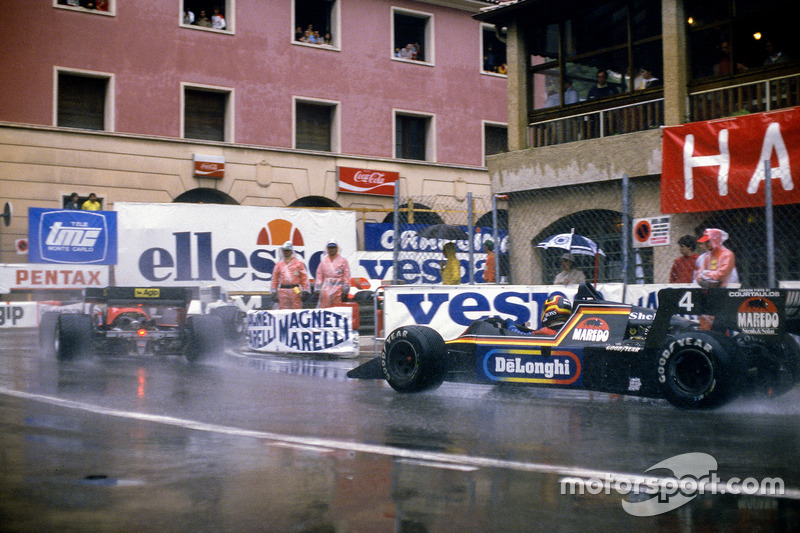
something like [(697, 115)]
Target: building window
[(495, 139), (316, 22), (209, 14), (413, 35), (206, 114), (83, 101), (413, 137), (732, 37), (99, 7), (571, 62), (315, 126), (494, 51)]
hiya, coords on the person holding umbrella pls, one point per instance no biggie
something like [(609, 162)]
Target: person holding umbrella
[(569, 275), (450, 267)]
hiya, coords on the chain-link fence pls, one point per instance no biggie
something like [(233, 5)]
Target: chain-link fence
[(618, 225)]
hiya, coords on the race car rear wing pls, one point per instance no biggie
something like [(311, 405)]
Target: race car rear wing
[(756, 312), (132, 296)]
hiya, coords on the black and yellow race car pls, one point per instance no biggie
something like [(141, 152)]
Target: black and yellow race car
[(700, 349)]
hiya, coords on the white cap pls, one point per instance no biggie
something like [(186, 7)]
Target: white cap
[(332, 242), (287, 246)]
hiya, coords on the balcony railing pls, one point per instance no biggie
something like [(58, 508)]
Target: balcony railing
[(639, 116), (747, 97)]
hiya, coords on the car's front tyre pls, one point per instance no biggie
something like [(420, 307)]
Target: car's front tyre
[(413, 359)]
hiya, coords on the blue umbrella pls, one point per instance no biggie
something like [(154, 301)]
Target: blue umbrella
[(573, 243)]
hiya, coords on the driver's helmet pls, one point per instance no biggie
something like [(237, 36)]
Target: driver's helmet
[(556, 311)]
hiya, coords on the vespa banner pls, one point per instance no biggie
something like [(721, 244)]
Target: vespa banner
[(708, 166), (234, 247), (450, 310)]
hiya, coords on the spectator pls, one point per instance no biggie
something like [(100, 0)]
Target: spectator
[(406, 52), (490, 60), (723, 66), (489, 274), (74, 202), (684, 266), (502, 69), (101, 5), (569, 275), (203, 20), (450, 267), (298, 34), (602, 89), (327, 39), (570, 95), (92, 203), (289, 280), (647, 80), (217, 20), (718, 263), (774, 54), (188, 17), (333, 277)]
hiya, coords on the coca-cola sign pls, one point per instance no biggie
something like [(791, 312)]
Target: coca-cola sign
[(209, 166), (366, 181)]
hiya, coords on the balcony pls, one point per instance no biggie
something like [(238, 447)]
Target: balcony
[(712, 101), (596, 119)]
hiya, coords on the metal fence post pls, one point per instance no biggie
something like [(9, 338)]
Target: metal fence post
[(625, 232), (770, 224), (495, 239), (396, 252), (471, 234)]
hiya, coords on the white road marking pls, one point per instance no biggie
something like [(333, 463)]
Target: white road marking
[(436, 459)]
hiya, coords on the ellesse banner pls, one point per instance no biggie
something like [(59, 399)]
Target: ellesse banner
[(234, 247), (708, 166)]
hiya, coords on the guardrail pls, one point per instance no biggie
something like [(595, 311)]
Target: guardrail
[(750, 97), (628, 118)]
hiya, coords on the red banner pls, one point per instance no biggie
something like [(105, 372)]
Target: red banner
[(708, 166), (365, 181)]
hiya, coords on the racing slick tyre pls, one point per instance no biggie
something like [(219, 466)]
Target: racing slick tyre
[(48, 336), (206, 337), (697, 370), (232, 321), (73, 336), (413, 359)]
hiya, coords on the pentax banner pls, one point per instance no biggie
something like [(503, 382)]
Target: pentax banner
[(713, 165)]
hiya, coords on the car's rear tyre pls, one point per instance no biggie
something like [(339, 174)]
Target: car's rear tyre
[(206, 338), (697, 370), (73, 336), (232, 321), (413, 359), (48, 337)]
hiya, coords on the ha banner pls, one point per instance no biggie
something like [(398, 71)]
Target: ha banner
[(320, 331)]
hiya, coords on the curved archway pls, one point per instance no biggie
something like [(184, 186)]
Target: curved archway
[(604, 227), (314, 201), (486, 219), (203, 195), (422, 214)]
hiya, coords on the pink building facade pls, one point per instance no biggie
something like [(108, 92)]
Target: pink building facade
[(121, 98)]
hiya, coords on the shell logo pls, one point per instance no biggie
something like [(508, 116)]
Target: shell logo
[(279, 231)]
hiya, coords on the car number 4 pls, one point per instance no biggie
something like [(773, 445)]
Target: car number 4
[(686, 302)]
